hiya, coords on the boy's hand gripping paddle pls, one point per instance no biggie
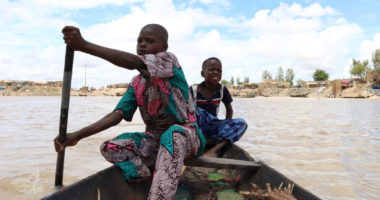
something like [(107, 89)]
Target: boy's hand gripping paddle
[(69, 58)]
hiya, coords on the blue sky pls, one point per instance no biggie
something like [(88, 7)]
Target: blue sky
[(249, 36)]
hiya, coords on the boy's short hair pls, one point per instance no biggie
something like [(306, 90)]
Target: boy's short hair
[(204, 64), (161, 31)]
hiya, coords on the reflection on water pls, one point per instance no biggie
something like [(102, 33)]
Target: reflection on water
[(329, 146)]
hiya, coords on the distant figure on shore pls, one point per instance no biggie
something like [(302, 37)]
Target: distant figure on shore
[(162, 94), (208, 96)]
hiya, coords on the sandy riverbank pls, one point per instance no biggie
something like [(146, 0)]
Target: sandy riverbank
[(57, 91), (321, 92)]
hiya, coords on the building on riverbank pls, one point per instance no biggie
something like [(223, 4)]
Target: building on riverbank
[(373, 77)]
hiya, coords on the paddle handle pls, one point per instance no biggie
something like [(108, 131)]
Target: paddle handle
[(223, 163), (67, 74)]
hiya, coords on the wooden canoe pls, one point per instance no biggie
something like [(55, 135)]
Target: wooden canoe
[(197, 182)]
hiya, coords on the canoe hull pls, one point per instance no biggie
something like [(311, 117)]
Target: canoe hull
[(110, 184)]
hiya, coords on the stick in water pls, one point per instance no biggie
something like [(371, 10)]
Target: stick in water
[(69, 58)]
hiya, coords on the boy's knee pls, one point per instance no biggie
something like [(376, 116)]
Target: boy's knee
[(168, 137), (129, 169), (242, 122)]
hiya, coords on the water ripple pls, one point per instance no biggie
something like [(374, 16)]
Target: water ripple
[(329, 146)]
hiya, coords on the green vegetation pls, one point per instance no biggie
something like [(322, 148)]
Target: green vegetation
[(289, 76), (238, 81), (280, 74), (300, 81), (376, 59), (266, 75), (232, 81), (225, 82), (320, 75), (358, 68), (246, 80)]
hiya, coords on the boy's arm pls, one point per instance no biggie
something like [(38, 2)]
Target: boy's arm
[(72, 139), (229, 111), (74, 39), (227, 99)]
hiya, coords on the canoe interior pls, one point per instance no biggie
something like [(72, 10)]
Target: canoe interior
[(194, 183)]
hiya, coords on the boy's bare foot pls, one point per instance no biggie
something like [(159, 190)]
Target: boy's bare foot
[(210, 154), (213, 152)]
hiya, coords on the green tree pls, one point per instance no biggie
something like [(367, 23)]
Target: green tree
[(300, 81), (376, 59), (320, 75), (246, 80), (289, 76), (238, 81), (266, 75), (225, 82), (359, 68), (232, 81), (280, 74)]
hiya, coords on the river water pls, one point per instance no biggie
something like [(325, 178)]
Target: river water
[(329, 146)]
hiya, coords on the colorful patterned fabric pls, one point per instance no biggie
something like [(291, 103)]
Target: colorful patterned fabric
[(217, 129), (161, 93), (168, 167), (167, 138)]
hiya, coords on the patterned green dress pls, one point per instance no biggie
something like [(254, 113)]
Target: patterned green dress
[(171, 136)]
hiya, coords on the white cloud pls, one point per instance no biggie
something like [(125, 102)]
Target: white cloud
[(217, 2), (314, 10), (69, 4), (368, 47), (303, 38)]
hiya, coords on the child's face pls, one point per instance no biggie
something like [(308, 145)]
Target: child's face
[(212, 72), (149, 43)]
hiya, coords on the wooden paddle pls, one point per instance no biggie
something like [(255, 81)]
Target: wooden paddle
[(223, 163), (69, 59)]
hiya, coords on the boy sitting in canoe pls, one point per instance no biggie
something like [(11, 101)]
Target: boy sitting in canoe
[(161, 92), (208, 96)]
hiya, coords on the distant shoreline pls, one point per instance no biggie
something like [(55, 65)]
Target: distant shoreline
[(279, 93)]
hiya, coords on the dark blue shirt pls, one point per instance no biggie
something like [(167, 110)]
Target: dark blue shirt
[(211, 105)]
